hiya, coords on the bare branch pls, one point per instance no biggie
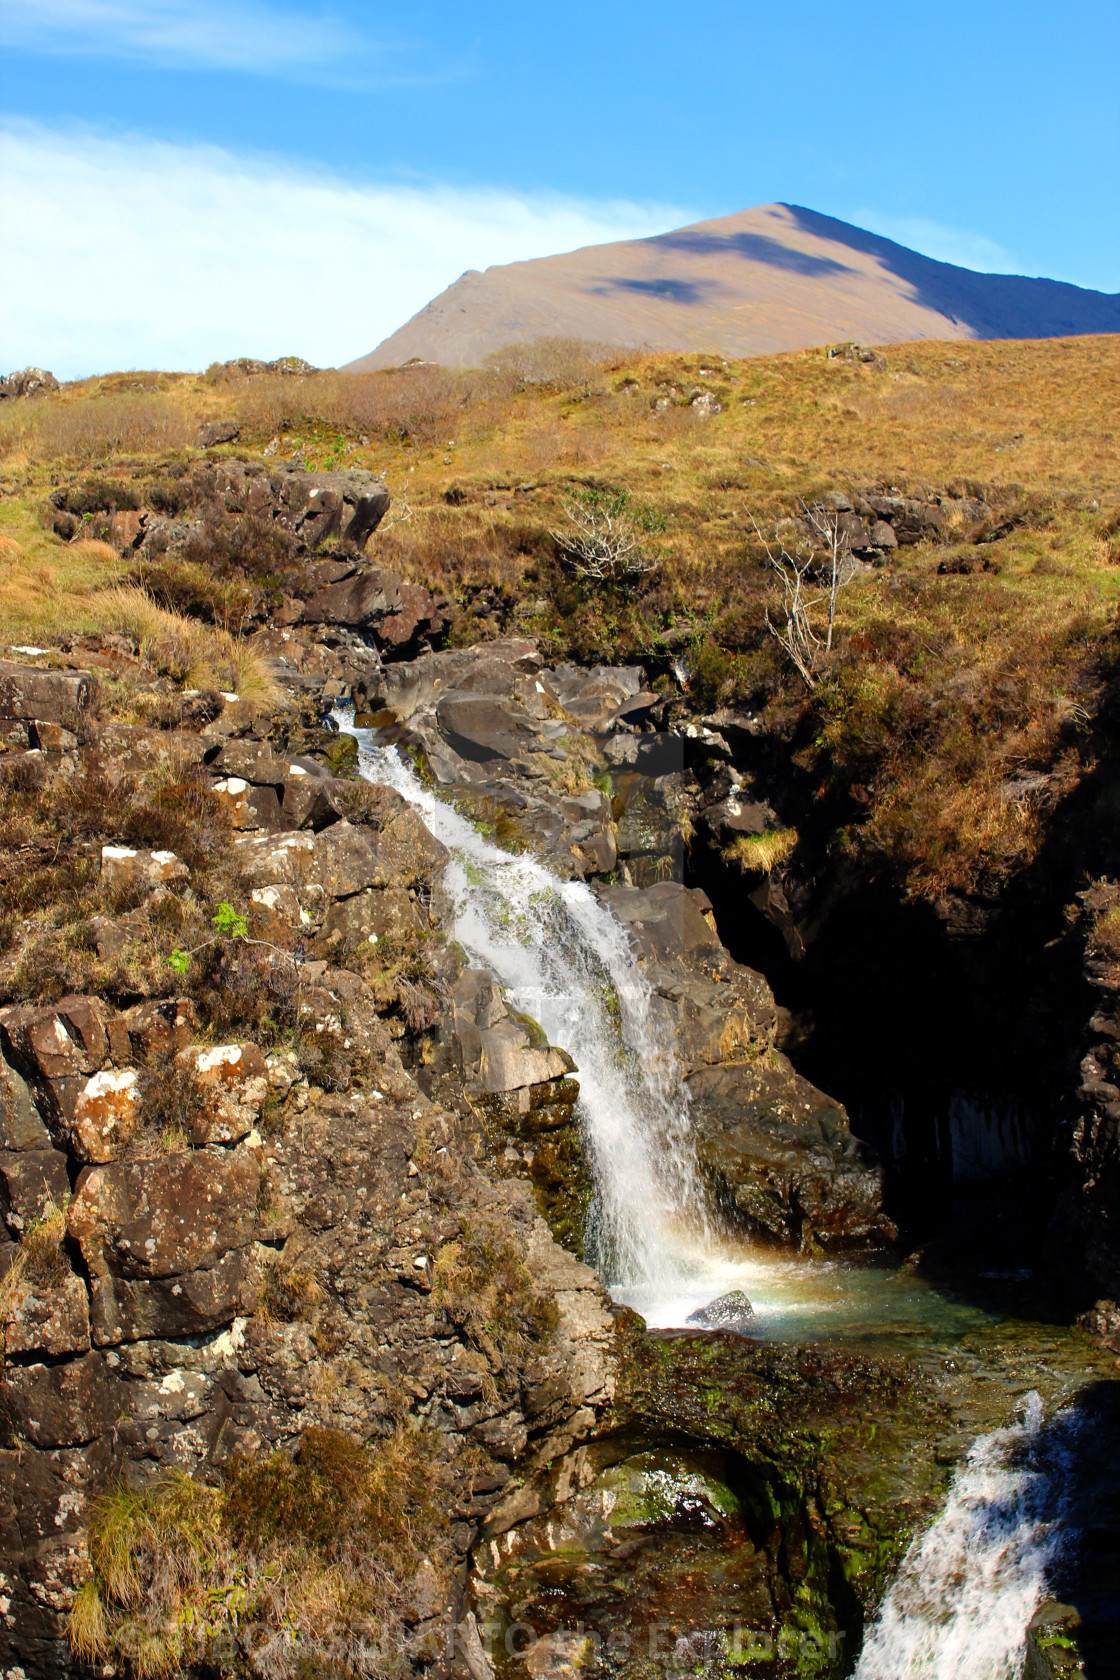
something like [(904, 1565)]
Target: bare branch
[(798, 569)]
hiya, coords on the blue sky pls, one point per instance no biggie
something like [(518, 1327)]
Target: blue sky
[(202, 178)]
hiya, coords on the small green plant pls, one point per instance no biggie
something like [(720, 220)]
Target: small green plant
[(230, 924)]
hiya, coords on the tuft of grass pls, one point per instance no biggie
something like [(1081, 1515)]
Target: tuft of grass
[(194, 654), (300, 1554), (481, 1285), (761, 854), (1105, 937)]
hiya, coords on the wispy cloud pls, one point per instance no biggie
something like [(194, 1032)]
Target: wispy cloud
[(945, 244), (248, 36), (176, 256)]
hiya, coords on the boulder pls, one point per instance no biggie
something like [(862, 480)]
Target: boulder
[(281, 902), (47, 1318), (21, 1126), (217, 431), (481, 727), (62, 1405), (129, 869), (782, 1160), (247, 807), (106, 1114), (250, 761), (499, 1050), (57, 1049), (362, 600), (32, 1182), (377, 913), (231, 1082), (166, 1242), (727, 1312), (669, 923), (29, 692), (28, 382), (408, 847), (347, 505), (306, 801), (160, 1025)]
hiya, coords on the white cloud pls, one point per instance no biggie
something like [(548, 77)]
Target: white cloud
[(140, 254), (249, 36), (945, 244)]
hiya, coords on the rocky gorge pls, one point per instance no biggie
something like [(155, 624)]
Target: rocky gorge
[(403, 1059)]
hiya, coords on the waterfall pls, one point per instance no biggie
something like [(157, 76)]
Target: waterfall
[(561, 957), (967, 1588)]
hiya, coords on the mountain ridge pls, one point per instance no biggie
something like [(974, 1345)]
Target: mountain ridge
[(772, 278)]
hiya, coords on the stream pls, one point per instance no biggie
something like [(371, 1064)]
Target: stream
[(967, 1587)]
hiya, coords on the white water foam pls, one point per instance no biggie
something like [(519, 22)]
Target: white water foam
[(969, 1585), (561, 957)]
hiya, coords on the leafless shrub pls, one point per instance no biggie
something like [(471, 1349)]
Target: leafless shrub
[(601, 542), (553, 361), (812, 573)]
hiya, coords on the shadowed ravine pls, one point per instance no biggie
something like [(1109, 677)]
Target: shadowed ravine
[(973, 1578)]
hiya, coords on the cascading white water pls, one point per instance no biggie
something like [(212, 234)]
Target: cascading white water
[(562, 958), (969, 1585)]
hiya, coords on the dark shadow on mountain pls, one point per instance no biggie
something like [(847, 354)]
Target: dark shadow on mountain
[(991, 305), (696, 292), (756, 247)]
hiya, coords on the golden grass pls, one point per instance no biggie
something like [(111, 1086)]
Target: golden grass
[(916, 715), (761, 854), (194, 654), (303, 1556)]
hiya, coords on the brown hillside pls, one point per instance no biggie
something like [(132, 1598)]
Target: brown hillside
[(774, 278)]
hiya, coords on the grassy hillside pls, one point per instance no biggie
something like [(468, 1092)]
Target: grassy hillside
[(968, 672)]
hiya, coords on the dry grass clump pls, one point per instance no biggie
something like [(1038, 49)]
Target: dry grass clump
[(761, 854), (1105, 936), (481, 1285), (197, 655), (291, 1565)]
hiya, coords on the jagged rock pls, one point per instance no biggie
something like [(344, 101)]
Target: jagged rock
[(232, 1083), (727, 1312), (130, 869)]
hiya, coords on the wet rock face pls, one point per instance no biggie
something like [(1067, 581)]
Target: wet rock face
[(525, 1092), (777, 1152)]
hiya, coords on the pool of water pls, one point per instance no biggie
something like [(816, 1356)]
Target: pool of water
[(809, 1300)]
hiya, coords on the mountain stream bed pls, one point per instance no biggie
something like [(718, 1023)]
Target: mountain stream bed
[(875, 1477)]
